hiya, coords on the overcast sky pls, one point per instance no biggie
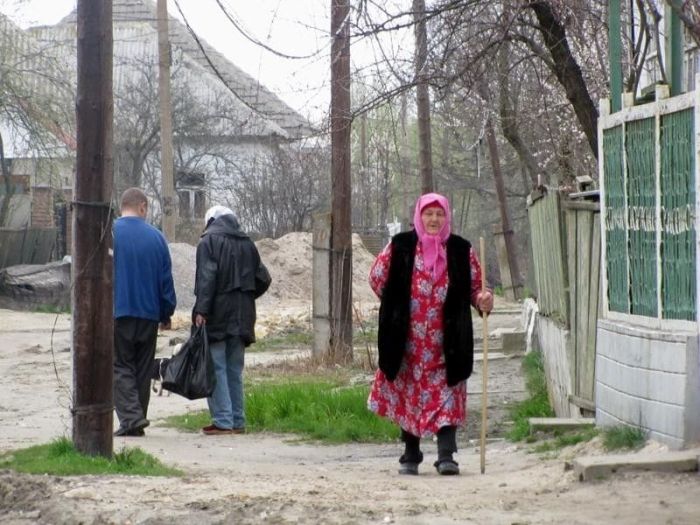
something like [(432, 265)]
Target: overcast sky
[(297, 28)]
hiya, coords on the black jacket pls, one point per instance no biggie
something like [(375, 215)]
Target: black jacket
[(395, 308), (229, 277)]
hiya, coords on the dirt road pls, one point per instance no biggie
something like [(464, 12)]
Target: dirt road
[(263, 478)]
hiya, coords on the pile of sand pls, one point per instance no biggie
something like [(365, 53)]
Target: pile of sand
[(289, 260)]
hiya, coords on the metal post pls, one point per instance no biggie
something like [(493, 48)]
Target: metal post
[(92, 233), (615, 55), (674, 49)]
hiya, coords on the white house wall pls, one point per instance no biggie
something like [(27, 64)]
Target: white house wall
[(647, 367), (643, 377)]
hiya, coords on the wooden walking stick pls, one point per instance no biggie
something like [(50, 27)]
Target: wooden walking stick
[(484, 359)]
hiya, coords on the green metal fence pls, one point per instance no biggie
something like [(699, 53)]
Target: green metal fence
[(615, 223), (678, 215), (641, 215), (649, 216)]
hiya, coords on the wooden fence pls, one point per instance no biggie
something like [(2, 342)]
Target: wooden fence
[(583, 253), (27, 246), (566, 248)]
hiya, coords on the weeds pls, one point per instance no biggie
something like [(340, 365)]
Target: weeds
[(566, 440), (60, 458), (623, 437), (537, 405)]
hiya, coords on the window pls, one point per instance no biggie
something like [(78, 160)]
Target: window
[(191, 195)]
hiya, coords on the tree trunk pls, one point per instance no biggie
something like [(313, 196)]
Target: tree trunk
[(503, 207), (341, 229), (93, 332), (567, 70), (509, 123), (7, 183), (423, 97), (405, 165)]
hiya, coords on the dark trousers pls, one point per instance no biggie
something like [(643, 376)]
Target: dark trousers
[(134, 350)]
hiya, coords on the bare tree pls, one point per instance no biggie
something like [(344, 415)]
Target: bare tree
[(34, 105)]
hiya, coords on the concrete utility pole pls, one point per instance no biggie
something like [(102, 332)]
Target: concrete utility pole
[(423, 98), (341, 227), (92, 233), (166, 123)]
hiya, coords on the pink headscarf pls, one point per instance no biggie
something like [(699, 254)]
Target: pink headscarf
[(434, 252)]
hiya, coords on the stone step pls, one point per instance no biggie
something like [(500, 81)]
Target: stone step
[(598, 467), (550, 424)]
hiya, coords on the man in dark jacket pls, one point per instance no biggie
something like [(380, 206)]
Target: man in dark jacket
[(229, 277)]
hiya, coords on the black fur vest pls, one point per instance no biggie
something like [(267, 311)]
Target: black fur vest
[(395, 308)]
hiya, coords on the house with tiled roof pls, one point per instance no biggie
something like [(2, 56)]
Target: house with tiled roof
[(225, 123)]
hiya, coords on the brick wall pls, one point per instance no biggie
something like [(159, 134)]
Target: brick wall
[(42, 207)]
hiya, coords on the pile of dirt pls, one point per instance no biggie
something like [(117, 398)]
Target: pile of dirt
[(289, 260)]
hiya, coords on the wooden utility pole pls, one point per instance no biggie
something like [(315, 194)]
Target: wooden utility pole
[(166, 123), (503, 209), (423, 97), (93, 332), (341, 227)]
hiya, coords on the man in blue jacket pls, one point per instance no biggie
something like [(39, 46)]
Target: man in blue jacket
[(144, 297)]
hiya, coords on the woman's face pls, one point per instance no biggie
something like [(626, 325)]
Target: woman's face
[(433, 218)]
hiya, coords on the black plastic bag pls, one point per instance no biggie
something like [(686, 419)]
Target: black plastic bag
[(190, 372)]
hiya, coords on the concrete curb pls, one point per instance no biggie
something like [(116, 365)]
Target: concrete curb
[(599, 467)]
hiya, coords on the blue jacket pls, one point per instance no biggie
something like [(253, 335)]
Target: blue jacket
[(143, 280)]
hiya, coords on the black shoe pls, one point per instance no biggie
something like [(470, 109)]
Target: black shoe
[(409, 463), (130, 432), (410, 469), (447, 467)]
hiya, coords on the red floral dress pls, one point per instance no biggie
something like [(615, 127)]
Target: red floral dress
[(419, 399)]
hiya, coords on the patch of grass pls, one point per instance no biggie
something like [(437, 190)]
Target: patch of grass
[(366, 335), (566, 440), (537, 405), (316, 410), (60, 458), (282, 340), (51, 309), (624, 437)]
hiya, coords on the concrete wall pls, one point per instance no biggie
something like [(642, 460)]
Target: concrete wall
[(555, 344), (649, 379)]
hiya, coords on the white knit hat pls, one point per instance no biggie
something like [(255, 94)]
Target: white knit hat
[(215, 212)]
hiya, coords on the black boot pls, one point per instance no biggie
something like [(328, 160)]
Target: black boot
[(447, 445), (412, 455)]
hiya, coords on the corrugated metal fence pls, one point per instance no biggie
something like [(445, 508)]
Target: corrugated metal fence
[(27, 246)]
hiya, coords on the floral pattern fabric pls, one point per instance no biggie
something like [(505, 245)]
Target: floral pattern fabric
[(419, 399)]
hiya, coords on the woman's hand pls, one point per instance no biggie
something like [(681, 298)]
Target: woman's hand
[(484, 301)]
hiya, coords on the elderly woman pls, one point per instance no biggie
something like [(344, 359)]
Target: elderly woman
[(427, 280)]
